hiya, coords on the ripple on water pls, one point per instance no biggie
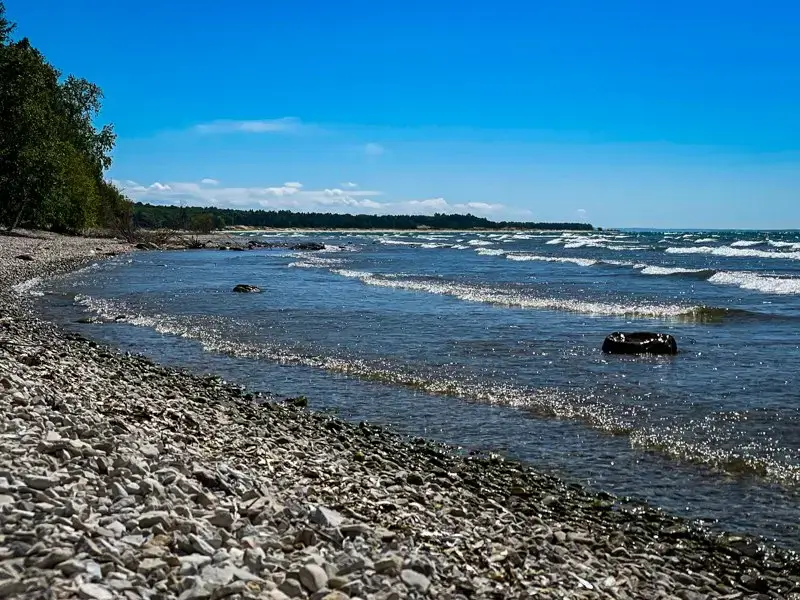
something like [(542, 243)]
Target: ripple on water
[(709, 442)]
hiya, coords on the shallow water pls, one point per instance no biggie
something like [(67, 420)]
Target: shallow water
[(492, 341)]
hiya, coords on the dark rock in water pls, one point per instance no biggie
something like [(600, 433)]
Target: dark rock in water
[(252, 244), (243, 288), (146, 246), (24, 257), (89, 320), (308, 246), (640, 342), (237, 248), (299, 402)]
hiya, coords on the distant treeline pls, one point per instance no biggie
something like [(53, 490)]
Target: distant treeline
[(148, 216)]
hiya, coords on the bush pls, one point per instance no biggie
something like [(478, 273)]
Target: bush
[(202, 223)]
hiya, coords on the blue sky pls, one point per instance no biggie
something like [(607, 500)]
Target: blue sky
[(680, 114)]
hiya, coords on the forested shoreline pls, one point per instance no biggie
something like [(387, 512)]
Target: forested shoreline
[(205, 219)]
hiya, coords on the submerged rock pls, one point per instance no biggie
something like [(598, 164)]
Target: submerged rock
[(308, 246), (244, 288), (640, 342)]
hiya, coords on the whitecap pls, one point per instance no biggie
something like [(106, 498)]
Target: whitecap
[(777, 244), (514, 299), (583, 262), (655, 270), (760, 283), (734, 252)]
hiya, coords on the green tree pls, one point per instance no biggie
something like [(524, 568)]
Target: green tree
[(6, 26), (29, 146), (202, 223), (52, 158), (80, 102)]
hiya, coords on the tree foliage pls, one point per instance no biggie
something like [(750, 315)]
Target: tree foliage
[(149, 216), (52, 158), (202, 223)]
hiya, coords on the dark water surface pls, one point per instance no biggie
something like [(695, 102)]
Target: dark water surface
[(492, 341)]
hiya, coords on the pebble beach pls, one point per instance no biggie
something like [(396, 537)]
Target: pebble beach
[(121, 478)]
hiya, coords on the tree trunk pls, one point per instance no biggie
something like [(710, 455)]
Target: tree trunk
[(21, 210)]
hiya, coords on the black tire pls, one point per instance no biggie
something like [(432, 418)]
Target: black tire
[(640, 342)]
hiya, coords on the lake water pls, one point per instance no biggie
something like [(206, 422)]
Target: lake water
[(492, 341)]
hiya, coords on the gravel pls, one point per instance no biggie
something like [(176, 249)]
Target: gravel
[(120, 478)]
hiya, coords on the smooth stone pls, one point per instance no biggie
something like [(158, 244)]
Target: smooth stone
[(198, 544), (72, 567), (313, 577), (148, 565), (156, 517), (149, 451), (292, 588), (390, 564), (222, 518), (41, 483), (326, 517), (92, 591), (414, 580)]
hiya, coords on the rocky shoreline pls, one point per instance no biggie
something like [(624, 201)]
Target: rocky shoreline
[(120, 478)]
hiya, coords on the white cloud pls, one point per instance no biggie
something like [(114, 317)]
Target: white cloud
[(581, 212), (292, 195), (349, 184), (287, 189), (209, 181), (283, 125), (373, 149)]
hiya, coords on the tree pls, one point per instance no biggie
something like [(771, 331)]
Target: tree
[(202, 223), (52, 158), (80, 102), (6, 26), (29, 146)]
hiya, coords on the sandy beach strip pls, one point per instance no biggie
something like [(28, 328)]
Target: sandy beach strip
[(120, 478)]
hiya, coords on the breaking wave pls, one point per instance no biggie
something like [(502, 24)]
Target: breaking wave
[(734, 252), (667, 271), (515, 299), (760, 283), (316, 262), (583, 262)]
